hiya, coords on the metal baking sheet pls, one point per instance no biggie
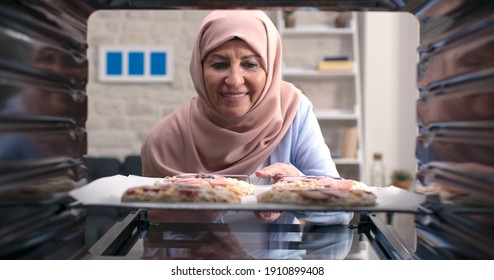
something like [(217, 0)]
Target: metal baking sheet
[(107, 191)]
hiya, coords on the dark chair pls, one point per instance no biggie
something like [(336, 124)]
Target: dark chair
[(132, 165), (98, 167)]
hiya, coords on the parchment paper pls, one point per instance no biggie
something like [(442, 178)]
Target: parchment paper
[(107, 191)]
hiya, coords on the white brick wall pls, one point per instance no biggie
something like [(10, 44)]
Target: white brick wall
[(120, 115)]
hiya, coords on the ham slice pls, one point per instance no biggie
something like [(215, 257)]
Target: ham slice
[(341, 184), (326, 182), (220, 182)]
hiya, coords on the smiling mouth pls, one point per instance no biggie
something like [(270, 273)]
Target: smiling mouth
[(233, 96)]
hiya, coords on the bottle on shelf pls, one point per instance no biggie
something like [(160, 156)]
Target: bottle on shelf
[(378, 172)]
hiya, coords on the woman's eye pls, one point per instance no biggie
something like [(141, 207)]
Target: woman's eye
[(219, 65), (250, 65)]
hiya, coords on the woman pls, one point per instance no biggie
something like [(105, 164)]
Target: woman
[(245, 119)]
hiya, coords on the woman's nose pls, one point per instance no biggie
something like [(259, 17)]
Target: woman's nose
[(234, 77)]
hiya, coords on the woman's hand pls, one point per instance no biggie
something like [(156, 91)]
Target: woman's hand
[(217, 246), (274, 170), (278, 169)]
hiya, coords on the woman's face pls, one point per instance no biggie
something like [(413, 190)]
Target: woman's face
[(234, 77)]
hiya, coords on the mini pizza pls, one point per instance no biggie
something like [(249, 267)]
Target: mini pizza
[(36, 190), (317, 182), (57, 184), (237, 186), (429, 190), (179, 193), (456, 195), (318, 197)]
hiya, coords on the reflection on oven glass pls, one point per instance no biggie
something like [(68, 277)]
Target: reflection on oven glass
[(28, 145), (471, 56), (58, 94), (38, 100), (60, 63), (472, 106), (240, 235)]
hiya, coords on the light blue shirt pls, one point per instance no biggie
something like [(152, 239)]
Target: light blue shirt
[(303, 146)]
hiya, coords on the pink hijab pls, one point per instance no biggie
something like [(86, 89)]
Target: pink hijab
[(196, 138)]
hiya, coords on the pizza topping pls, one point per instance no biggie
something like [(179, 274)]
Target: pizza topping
[(333, 192), (185, 175), (290, 179), (211, 180), (321, 193), (313, 194), (206, 176), (318, 182), (188, 189), (343, 184), (189, 181), (171, 192), (326, 182), (220, 181)]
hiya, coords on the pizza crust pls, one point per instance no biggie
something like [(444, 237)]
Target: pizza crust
[(26, 194), (318, 197), (37, 190), (318, 182), (179, 193)]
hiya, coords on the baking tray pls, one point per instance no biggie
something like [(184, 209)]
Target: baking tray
[(107, 191)]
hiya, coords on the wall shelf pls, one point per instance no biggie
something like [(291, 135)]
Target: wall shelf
[(308, 72), (334, 114), (317, 30), (336, 95), (346, 161)]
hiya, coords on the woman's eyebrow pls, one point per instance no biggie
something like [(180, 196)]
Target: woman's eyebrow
[(250, 56), (216, 55)]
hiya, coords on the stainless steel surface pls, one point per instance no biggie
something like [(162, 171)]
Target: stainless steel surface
[(28, 141), (471, 101), (51, 233), (377, 5), (43, 110), (457, 142), (34, 97), (143, 236), (456, 177), (385, 237), (455, 120)]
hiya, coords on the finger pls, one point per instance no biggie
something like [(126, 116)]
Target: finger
[(263, 173), (207, 246), (271, 170)]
